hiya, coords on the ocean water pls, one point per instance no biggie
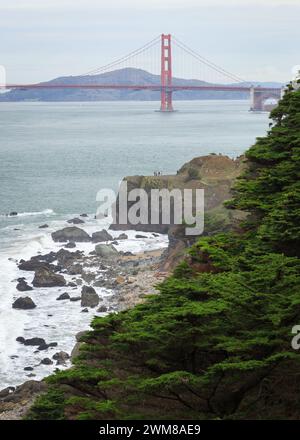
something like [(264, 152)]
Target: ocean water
[(54, 157), (58, 155)]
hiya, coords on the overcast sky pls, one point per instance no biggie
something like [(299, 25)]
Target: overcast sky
[(42, 39)]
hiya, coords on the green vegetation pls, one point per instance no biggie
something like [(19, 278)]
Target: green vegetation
[(149, 182), (220, 219), (193, 173), (216, 343)]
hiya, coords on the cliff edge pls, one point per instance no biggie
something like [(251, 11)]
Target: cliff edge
[(213, 173)]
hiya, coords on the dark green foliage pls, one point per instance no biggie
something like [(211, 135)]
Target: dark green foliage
[(193, 173), (270, 188), (49, 406), (216, 342)]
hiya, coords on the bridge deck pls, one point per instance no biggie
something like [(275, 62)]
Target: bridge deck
[(220, 88)]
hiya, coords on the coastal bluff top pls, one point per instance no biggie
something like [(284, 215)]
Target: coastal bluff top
[(213, 173)]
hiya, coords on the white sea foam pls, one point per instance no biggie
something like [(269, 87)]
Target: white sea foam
[(55, 321), (45, 212)]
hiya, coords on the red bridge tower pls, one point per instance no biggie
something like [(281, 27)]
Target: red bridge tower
[(166, 74)]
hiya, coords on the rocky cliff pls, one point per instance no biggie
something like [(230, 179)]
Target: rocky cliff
[(216, 175)]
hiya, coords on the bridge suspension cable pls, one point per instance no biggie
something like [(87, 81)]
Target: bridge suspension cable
[(131, 60), (122, 60), (206, 62)]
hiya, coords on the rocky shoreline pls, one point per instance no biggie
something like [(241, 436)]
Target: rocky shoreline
[(126, 276), (129, 276)]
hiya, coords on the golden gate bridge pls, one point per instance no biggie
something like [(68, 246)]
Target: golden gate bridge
[(207, 75)]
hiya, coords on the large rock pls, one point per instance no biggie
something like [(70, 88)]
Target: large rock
[(21, 340), (22, 285), (38, 261), (26, 391), (34, 263), (76, 349), (6, 392), (106, 251), (80, 335), (63, 296), (66, 258), (45, 346), (24, 303), (98, 237), (76, 221), (122, 236), (63, 257), (89, 297), (46, 361), (44, 277), (32, 341), (75, 269), (71, 233), (61, 357)]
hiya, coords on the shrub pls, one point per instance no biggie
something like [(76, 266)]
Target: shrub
[(193, 173)]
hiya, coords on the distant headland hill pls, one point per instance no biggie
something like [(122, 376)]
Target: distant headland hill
[(123, 76)]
